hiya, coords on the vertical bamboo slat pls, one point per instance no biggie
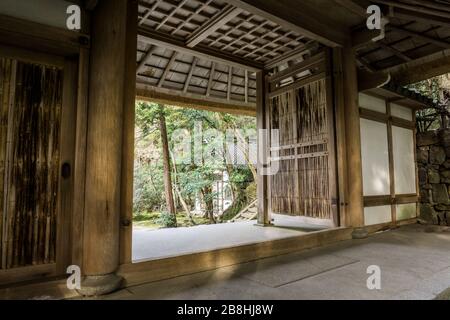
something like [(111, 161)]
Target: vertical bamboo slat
[(29, 171)]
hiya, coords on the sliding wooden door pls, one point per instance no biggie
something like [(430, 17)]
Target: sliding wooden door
[(301, 109), (36, 154)]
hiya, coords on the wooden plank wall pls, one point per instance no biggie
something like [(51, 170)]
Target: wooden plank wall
[(31, 164)]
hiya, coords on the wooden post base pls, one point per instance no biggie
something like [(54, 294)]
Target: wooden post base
[(93, 286), (360, 233)]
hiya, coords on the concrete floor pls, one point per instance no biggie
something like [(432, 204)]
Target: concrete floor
[(149, 244), (414, 262)]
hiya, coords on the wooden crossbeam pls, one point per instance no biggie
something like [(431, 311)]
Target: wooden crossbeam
[(223, 17), (168, 67), (160, 39)]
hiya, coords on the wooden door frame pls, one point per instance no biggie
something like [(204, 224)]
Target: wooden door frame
[(66, 194)]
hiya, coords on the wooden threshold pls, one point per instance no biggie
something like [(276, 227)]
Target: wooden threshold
[(155, 270)]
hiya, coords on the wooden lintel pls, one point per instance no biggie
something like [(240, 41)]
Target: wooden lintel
[(301, 19), (229, 13), (421, 69), (174, 43), (191, 100)]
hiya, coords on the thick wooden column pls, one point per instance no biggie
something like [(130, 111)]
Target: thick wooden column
[(110, 87), (355, 204), (261, 123)]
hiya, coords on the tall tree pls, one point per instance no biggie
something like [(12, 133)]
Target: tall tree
[(166, 164)]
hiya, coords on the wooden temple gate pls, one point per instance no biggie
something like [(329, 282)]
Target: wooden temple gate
[(66, 191), (301, 109)]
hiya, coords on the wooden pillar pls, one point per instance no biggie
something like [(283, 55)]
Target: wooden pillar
[(355, 204), (111, 84), (261, 123)]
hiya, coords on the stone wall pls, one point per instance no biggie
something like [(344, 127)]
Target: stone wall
[(433, 158)]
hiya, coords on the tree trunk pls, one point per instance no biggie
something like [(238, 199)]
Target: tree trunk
[(209, 204), (178, 192), (166, 163)]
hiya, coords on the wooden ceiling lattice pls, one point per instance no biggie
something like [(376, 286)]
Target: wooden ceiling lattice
[(210, 49)]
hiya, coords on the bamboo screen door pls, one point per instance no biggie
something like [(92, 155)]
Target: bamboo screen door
[(33, 197), (301, 109)]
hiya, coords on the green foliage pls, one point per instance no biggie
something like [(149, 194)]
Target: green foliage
[(167, 220), (192, 177)]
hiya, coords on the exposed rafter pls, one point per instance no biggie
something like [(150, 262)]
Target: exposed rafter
[(189, 76), (145, 59), (211, 79), (218, 21), (439, 42), (394, 51), (167, 69)]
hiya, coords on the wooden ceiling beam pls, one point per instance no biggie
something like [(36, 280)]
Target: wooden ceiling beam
[(150, 36), (421, 69), (218, 21), (302, 20)]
